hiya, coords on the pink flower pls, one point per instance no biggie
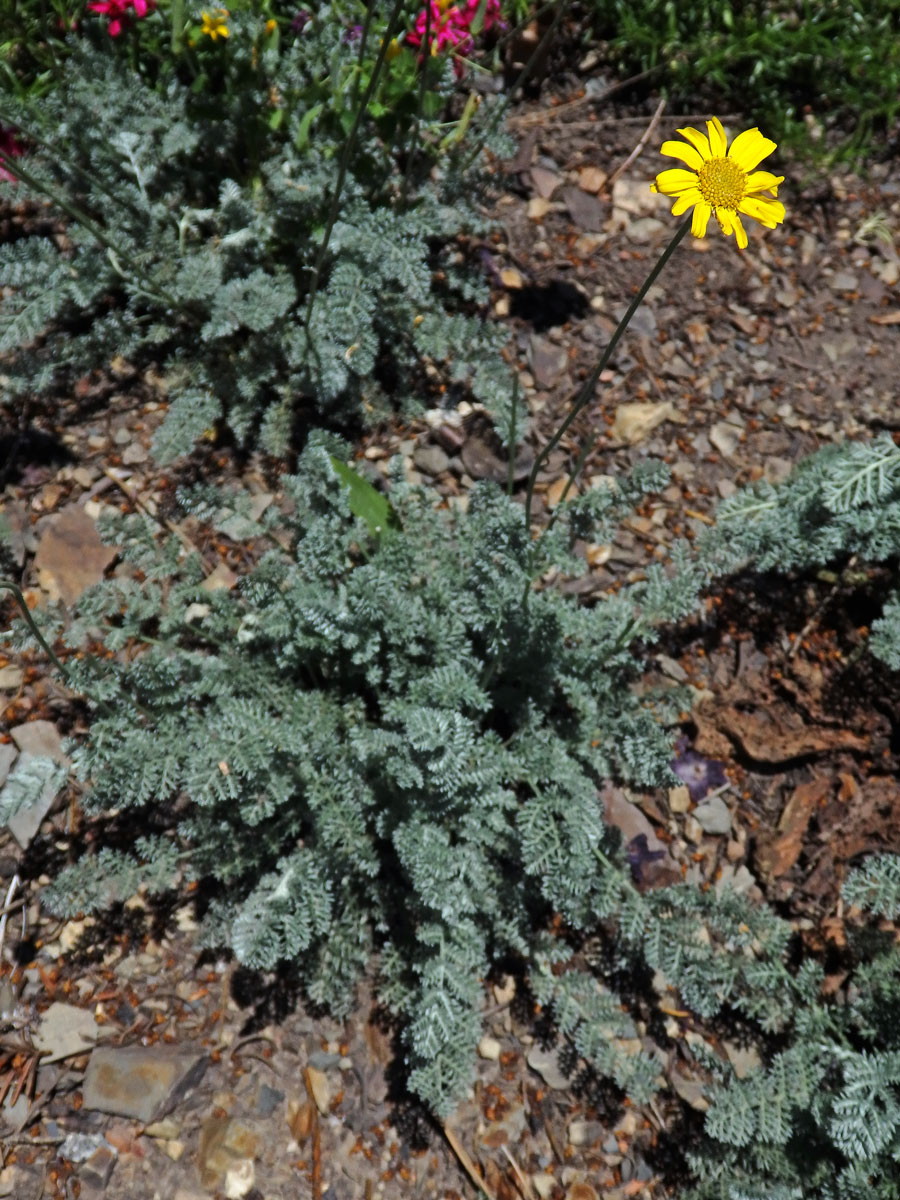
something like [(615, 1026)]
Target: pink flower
[(117, 11), (10, 147), (451, 25)]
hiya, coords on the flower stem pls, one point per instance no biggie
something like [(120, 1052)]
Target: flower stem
[(587, 388), (344, 164)]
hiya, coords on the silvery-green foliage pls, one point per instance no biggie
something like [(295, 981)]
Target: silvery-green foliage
[(373, 745), (819, 1119), (193, 228), (842, 501)]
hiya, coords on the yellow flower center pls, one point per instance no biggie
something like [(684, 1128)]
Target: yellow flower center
[(722, 183)]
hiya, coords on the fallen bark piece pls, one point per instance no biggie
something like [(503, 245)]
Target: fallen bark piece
[(777, 856)]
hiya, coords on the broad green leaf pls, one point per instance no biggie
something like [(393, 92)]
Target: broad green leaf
[(366, 502)]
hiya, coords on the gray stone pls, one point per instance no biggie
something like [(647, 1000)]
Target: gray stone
[(844, 281), (547, 361), (25, 822), (725, 438), (546, 1064), (584, 1133), (713, 816), (268, 1100), (78, 1147), (7, 758), (95, 1172), (431, 459), (40, 738), (324, 1060), (587, 212), (644, 229), (143, 1082)]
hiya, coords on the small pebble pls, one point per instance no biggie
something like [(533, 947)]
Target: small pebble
[(489, 1048)]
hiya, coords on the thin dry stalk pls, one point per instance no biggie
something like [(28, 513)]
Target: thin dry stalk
[(637, 151)]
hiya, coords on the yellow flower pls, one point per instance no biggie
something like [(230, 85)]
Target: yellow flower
[(393, 49), (271, 25), (215, 24), (721, 181)]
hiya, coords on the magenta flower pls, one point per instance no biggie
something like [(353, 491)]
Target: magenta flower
[(451, 26), (10, 147), (118, 12)]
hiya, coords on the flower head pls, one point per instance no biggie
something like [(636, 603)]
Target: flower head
[(10, 147), (701, 775), (118, 12), (721, 181), (215, 24), (449, 24)]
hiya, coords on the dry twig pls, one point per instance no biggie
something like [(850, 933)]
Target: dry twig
[(636, 152), (465, 1161)]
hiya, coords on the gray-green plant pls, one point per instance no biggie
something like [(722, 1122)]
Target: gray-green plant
[(375, 750), (839, 511), (282, 250)]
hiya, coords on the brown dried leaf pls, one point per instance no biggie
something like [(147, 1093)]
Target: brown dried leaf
[(776, 857)]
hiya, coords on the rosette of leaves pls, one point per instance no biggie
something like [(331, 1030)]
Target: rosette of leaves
[(195, 209), (375, 748)]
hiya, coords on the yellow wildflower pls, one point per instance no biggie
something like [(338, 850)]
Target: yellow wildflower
[(215, 24), (721, 181)]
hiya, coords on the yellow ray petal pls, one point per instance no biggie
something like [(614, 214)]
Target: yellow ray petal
[(718, 143), (768, 212), (670, 183), (763, 181), (697, 140), (687, 154), (731, 223), (685, 200), (750, 148), (700, 219)]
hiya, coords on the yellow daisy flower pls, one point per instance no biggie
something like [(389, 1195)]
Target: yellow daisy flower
[(215, 24), (721, 181)]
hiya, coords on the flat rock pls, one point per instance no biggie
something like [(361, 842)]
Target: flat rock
[(586, 211), (225, 1146), (25, 821), (725, 438), (11, 678), (40, 738), (70, 555), (7, 758), (547, 361), (143, 1082), (65, 1030), (713, 816), (636, 420), (431, 459), (546, 1064), (844, 281)]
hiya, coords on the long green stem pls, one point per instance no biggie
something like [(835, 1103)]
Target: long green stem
[(586, 391), (344, 164), (512, 439), (7, 585)]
